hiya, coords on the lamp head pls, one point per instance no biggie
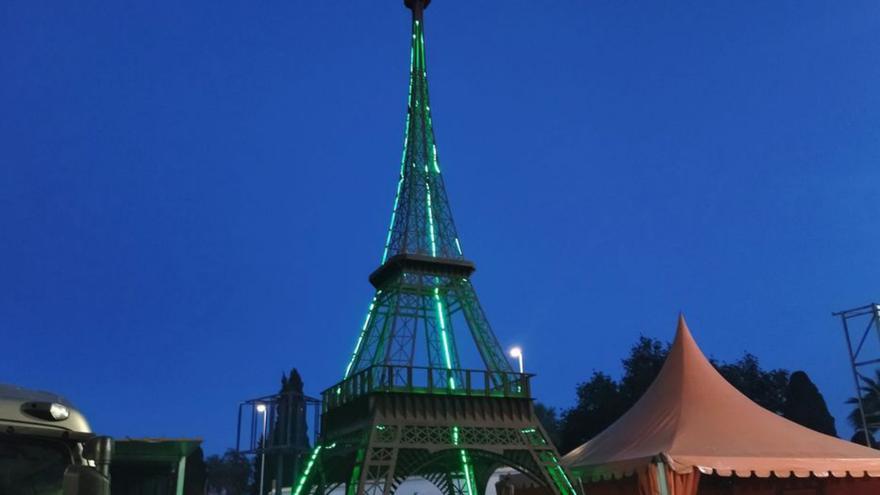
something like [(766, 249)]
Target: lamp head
[(515, 352), (261, 408)]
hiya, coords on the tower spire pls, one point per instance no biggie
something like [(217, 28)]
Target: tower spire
[(421, 219), (423, 280), (418, 7)]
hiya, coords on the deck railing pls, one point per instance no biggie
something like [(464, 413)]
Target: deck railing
[(436, 381)]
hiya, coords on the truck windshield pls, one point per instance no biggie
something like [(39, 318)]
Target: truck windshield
[(32, 466)]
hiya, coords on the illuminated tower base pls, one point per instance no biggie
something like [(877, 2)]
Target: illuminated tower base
[(388, 423)]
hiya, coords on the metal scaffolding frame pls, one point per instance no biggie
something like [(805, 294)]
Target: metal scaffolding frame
[(288, 431), (858, 325)]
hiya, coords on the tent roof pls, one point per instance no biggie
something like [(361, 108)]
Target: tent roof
[(691, 417)]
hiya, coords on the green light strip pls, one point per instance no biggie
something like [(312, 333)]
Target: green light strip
[(360, 340), (305, 475), (431, 222), (560, 474), (412, 54), (465, 463), (436, 165), (356, 472), (458, 246), (393, 214), (442, 321)]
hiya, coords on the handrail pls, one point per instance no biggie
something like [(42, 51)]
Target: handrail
[(427, 380)]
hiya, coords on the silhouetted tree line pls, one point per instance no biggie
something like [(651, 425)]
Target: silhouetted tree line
[(601, 400), (229, 474)]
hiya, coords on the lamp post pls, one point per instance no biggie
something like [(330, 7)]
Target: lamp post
[(261, 409), (516, 352)]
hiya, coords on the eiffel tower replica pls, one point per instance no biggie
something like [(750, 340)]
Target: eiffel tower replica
[(405, 406)]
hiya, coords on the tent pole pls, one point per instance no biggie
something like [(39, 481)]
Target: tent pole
[(661, 477)]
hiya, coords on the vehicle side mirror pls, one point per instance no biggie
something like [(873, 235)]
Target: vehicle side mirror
[(100, 450), (83, 480)]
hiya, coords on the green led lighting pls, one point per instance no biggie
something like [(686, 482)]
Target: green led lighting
[(557, 473), (355, 473), (409, 98), (466, 465), (436, 165), (458, 245), (465, 462), (431, 222), (360, 340), (309, 466), (442, 322), (393, 215), (448, 364)]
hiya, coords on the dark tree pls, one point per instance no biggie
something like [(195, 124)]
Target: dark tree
[(599, 403), (229, 474), (870, 393), (859, 438), (287, 433), (805, 405), (549, 420), (641, 367), (766, 388)]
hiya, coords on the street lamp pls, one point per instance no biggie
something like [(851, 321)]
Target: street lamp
[(516, 352), (261, 409)]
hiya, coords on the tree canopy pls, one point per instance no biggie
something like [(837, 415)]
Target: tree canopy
[(806, 406), (870, 395), (229, 474)]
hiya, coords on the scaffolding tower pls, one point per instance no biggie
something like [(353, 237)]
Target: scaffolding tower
[(278, 430), (861, 327)]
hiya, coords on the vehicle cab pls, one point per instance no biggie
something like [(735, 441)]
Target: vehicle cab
[(48, 448)]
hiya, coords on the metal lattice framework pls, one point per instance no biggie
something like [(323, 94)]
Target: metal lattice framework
[(861, 327), (405, 406)]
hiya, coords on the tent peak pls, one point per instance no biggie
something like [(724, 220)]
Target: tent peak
[(682, 326)]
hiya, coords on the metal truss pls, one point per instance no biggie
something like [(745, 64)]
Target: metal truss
[(286, 414), (861, 326), (287, 419), (422, 303), (421, 221)]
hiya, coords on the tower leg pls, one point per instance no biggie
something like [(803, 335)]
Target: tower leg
[(556, 476), (376, 473), (375, 462)]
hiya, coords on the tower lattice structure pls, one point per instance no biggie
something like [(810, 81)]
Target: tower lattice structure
[(405, 406)]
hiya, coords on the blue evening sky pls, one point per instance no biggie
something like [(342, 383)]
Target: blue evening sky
[(192, 194)]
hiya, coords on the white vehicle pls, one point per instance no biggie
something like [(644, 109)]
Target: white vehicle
[(47, 447)]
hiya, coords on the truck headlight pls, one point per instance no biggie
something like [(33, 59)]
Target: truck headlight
[(58, 411), (50, 411)]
